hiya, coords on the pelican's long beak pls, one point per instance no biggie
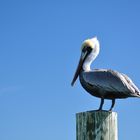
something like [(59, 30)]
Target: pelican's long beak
[(79, 67)]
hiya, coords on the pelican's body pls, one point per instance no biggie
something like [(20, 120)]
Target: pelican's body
[(108, 84), (102, 83)]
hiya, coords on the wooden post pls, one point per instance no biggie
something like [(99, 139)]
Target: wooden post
[(96, 125)]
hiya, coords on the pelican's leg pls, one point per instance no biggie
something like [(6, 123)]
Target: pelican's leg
[(113, 103), (101, 104)]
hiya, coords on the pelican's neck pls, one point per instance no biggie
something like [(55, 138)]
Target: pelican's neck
[(94, 43), (90, 58)]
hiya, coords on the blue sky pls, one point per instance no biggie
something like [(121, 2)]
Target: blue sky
[(39, 50)]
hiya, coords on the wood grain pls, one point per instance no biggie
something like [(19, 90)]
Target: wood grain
[(96, 125)]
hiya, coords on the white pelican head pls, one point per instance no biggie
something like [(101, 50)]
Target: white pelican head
[(89, 51)]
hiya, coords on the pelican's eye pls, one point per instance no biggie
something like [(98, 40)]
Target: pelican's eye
[(87, 48)]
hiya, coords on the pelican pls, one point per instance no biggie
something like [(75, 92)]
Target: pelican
[(102, 83)]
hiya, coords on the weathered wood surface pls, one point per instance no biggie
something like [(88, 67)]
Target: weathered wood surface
[(96, 125)]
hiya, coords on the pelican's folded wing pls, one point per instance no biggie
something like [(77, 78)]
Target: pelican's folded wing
[(131, 86), (110, 81)]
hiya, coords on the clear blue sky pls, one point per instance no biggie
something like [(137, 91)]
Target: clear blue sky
[(39, 50)]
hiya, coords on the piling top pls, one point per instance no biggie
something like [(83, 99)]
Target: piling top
[(96, 125), (98, 112)]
